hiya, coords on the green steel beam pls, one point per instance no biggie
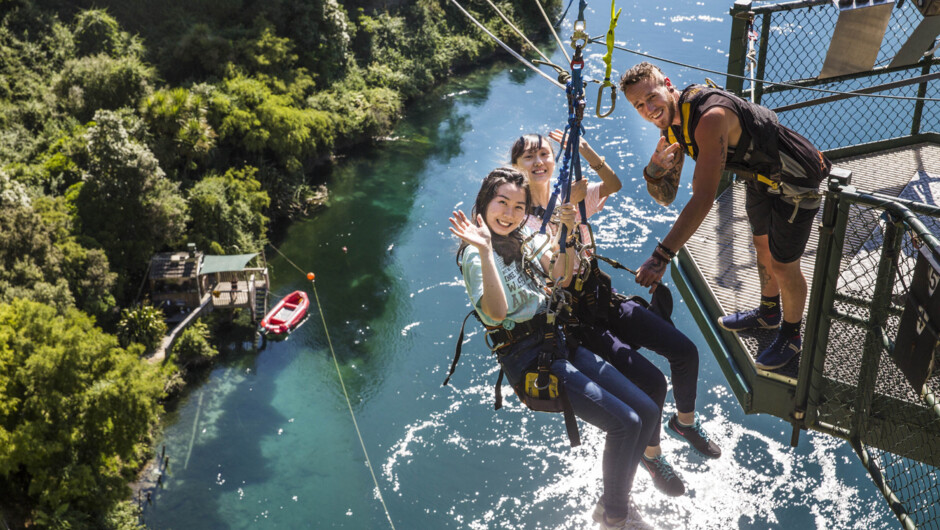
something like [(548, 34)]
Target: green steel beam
[(919, 106), (689, 286), (882, 145), (835, 220), (796, 84), (790, 6), (881, 298), (762, 55), (737, 55)]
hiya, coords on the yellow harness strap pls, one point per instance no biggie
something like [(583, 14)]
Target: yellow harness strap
[(773, 184), (607, 58), (671, 136)]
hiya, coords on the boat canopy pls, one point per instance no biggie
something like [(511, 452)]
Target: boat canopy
[(233, 263)]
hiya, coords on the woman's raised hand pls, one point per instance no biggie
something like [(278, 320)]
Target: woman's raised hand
[(558, 135), (578, 191), (477, 234)]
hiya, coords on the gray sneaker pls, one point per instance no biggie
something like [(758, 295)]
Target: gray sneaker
[(632, 522)]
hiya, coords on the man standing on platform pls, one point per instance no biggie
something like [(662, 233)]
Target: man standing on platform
[(782, 171)]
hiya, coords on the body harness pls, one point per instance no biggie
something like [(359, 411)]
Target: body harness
[(757, 157), (539, 389), (594, 298)]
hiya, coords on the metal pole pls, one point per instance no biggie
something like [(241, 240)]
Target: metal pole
[(881, 298), (835, 220), (919, 106), (762, 55), (737, 56)]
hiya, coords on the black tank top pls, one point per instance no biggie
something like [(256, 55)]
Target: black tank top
[(757, 153)]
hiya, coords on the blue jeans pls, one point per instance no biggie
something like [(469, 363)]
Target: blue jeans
[(601, 396)]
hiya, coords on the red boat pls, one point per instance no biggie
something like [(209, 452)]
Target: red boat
[(284, 316)]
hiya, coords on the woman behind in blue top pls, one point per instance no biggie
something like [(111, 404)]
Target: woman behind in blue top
[(492, 257)]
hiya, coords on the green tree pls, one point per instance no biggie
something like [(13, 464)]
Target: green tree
[(126, 204), (181, 136), (94, 82), (199, 53), (98, 32), (142, 324), (75, 408), (193, 347), (229, 210)]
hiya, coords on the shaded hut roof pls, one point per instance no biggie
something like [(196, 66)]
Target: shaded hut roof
[(233, 263)]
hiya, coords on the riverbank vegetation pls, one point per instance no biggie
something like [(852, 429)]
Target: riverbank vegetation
[(132, 127)]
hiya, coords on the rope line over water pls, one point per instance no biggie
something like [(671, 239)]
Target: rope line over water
[(597, 40), (342, 383), (506, 47)]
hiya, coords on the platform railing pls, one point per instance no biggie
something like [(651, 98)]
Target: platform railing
[(793, 38), (849, 385)]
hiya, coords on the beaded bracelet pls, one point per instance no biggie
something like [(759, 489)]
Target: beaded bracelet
[(599, 165)]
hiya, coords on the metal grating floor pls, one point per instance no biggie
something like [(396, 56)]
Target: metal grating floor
[(724, 256)]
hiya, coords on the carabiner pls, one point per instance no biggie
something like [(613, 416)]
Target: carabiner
[(600, 95), (579, 34)]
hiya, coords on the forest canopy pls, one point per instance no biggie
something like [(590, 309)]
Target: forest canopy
[(132, 127)]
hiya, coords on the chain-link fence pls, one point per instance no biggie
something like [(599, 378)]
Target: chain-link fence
[(857, 389), (791, 40), (869, 244)]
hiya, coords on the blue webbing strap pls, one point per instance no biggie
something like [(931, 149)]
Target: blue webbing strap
[(571, 141)]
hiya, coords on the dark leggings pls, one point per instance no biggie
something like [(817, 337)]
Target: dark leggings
[(635, 327), (638, 369), (639, 326)]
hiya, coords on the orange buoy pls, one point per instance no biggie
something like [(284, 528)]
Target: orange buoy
[(311, 276)]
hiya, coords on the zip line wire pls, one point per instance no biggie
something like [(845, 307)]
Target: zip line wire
[(597, 40), (552, 28), (352, 414), (507, 48), (514, 28)]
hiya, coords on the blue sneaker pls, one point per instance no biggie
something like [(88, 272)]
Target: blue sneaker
[(751, 319), (779, 353)]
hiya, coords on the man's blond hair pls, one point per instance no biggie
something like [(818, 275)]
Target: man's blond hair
[(640, 72)]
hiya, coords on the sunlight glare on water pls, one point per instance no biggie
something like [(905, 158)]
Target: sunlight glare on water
[(266, 440)]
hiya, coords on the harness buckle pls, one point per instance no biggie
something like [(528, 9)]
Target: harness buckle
[(490, 341)]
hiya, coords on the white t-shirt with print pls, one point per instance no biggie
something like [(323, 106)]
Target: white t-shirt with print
[(525, 298)]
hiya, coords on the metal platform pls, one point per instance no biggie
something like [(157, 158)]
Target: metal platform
[(717, 274)]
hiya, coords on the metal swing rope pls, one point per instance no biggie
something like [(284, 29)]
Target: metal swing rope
[(505, 46), (521, 35), (777, 83), (571, 141), (342, 383)]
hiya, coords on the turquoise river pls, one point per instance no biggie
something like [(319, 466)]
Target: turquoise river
[(266, 440)]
